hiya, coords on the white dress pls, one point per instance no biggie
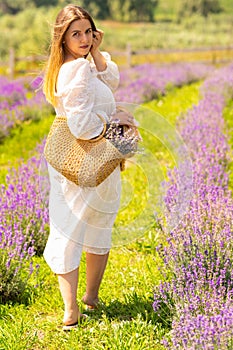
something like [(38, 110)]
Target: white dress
[(82, 218)]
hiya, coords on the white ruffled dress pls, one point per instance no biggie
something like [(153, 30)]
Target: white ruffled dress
[(82, 218)]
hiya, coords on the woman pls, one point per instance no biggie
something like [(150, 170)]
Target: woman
[(81, 218)]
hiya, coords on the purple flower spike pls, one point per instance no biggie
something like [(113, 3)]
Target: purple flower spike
[(198, 255)]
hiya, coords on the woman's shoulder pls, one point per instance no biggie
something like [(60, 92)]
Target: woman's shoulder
[(72, 72), (74, 65), (79, 67)]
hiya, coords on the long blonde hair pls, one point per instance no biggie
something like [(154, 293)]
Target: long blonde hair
[(64, 19)]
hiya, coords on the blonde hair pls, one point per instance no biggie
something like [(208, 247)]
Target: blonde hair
[(64, 19)]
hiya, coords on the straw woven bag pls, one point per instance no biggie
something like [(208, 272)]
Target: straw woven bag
[(87, 163)]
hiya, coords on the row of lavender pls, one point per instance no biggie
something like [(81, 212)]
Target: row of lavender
[(138, 84), (146, 82), (18, 102), (23, 211), (198, 256)]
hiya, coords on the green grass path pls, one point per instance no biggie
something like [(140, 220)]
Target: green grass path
[(127, 320)]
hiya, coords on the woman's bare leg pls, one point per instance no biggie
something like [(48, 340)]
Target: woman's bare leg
[(95, 267), (68, 284)]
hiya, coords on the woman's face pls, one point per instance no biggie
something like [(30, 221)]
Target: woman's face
[(78, 38)]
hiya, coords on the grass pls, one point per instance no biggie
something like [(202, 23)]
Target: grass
[(127, 320), (142, 181), (21, 143), (167, 108), (228, 116), (177, 102)]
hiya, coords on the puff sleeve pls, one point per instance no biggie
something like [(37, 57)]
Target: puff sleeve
[(110, 76), (76, 92)]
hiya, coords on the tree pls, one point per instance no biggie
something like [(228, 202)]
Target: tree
[(97, 8), (14, 6), (202, 7), (143, 10), (39, 3), (122, 10), (133, 10)]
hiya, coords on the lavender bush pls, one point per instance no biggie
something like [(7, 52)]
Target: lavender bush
[(22, 203), (16, 105), (198, 255), (24, 226), (12, 96), (146, 82)]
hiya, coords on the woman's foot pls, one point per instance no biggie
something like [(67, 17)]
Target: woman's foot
[(70, 326), (91, 303), (72, 316)]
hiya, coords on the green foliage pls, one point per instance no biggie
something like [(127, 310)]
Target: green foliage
[(16, 33), (202, 7), (228, 116), (121, 10), (139, 11), (133, 10), (166, 10), (12, 285), (143, 11), (15, 6), (39, 3), (194, 31), (97, 9)]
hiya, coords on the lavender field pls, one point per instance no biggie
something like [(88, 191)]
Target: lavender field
[(191, 297)]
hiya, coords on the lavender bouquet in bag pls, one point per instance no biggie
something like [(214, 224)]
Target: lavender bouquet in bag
[(124, 137)]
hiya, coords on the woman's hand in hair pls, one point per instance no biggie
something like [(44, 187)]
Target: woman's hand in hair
[(98, 58), (97, 39)]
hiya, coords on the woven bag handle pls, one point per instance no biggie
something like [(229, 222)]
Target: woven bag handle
[(100, 136)]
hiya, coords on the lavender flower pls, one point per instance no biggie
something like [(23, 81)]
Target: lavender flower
[(198, 256), (123, 138)]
